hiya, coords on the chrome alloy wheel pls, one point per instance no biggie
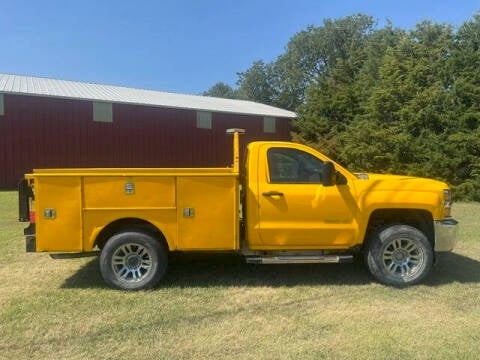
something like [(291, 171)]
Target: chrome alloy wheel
[(403, 258), (131, 262)]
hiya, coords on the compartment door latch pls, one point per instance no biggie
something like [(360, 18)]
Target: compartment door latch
[(49, 213), (188, 212)]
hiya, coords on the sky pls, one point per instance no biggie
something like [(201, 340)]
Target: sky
[(178, 45)]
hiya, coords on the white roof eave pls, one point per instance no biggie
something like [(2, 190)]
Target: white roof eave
[(36, 86)]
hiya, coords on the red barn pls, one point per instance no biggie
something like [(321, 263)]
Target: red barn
[(47, 123)]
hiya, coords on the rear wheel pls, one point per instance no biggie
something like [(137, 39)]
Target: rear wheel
[(399, 255), (133, 260)]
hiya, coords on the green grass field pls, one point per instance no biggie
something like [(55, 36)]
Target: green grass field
[(218, 307)]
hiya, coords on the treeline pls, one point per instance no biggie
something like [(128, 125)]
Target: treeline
[(381, 99)]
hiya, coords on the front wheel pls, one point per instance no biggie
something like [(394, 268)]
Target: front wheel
[(399, 255), (133, 260)]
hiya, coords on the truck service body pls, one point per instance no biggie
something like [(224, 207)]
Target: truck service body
[(288, 204)]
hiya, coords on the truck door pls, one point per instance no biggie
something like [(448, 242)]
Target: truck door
[(295, 209)]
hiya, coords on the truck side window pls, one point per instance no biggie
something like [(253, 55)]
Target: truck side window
[(286, 165)]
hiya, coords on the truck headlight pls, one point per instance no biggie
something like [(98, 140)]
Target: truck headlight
[(447, 202)]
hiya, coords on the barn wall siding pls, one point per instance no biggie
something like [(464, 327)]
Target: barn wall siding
[(40, 132)]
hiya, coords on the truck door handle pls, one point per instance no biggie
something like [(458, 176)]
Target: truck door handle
[(272, 193)]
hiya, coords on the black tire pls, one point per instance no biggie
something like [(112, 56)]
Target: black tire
[(133, 260), (399, 255)]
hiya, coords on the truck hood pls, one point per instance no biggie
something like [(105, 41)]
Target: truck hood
[(384, 182)]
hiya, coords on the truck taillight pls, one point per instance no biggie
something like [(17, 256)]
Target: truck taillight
[(31, 208), (32, 217)]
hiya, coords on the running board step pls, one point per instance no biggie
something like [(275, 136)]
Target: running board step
[(322, 259), (62, 256)]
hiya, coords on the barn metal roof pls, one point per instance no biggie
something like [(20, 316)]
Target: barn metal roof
[(36, 86)]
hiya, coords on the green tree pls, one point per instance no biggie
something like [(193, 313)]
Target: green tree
[(338, 95), (309, 55), (220, 90), (407, 106), (314, 52), (257, 83), (463, 143)]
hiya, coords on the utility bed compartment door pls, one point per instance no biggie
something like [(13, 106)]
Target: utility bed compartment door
[(207, 213), (59, 213), (110, 192)]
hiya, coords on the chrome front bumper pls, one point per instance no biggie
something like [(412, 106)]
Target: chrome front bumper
[(445, 234)]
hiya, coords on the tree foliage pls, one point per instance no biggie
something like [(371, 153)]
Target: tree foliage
[(221, 90), (257, 83), (382, 99)]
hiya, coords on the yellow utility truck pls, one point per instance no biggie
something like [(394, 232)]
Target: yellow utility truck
[(288, 204)]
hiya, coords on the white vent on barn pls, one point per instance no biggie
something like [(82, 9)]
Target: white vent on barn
[(102, 112), (204, 120), (269, 124)]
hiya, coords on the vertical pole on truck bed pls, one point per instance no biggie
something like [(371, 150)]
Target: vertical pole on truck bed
[(236, 148)]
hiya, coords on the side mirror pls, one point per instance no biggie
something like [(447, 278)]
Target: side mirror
[(340, 179), (329, 174)]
